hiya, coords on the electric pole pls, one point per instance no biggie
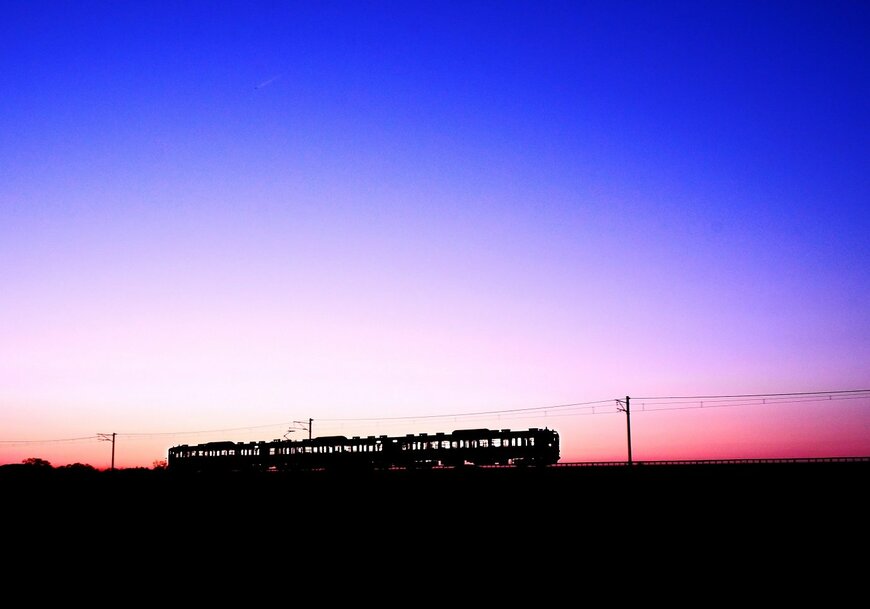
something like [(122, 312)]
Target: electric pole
[(626, 408), (105, 437), (302, 426)]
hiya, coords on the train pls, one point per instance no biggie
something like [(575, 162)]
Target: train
[(463, 447)]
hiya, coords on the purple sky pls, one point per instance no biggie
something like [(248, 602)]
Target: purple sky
[(227, 218)]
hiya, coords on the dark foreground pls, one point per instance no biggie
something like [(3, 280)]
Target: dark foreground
[(422, 497), (528, 523)]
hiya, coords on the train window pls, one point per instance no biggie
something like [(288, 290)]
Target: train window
[(484, 443)]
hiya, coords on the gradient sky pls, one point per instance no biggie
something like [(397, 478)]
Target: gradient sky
[(220, 218)]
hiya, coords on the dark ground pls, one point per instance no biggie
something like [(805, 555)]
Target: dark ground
[(520, 496), (577, 525)]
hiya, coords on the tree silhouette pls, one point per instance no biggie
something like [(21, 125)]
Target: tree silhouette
[(36, 462), (79, 467)]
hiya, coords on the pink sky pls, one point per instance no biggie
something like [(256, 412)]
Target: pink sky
[(661, 430)]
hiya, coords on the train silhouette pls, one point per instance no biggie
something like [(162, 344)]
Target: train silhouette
[(528, 447)]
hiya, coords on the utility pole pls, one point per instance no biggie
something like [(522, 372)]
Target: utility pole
[(626, 408), (628, 425), (302, 426), (105, 437)]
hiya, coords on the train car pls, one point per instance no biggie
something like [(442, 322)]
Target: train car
[(528, 447)]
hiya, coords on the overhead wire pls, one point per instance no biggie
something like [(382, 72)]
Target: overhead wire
[(573, 409)]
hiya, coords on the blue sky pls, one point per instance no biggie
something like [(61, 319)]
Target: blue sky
[(216, 216)]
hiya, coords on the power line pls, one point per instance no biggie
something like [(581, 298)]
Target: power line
[(646, 404), (98, 437), (208, 431), (473, 414), (57, 440), (754, 395), (771, 401), (706, 402)]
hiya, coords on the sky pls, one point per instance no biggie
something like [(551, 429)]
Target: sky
[(219, 220)]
